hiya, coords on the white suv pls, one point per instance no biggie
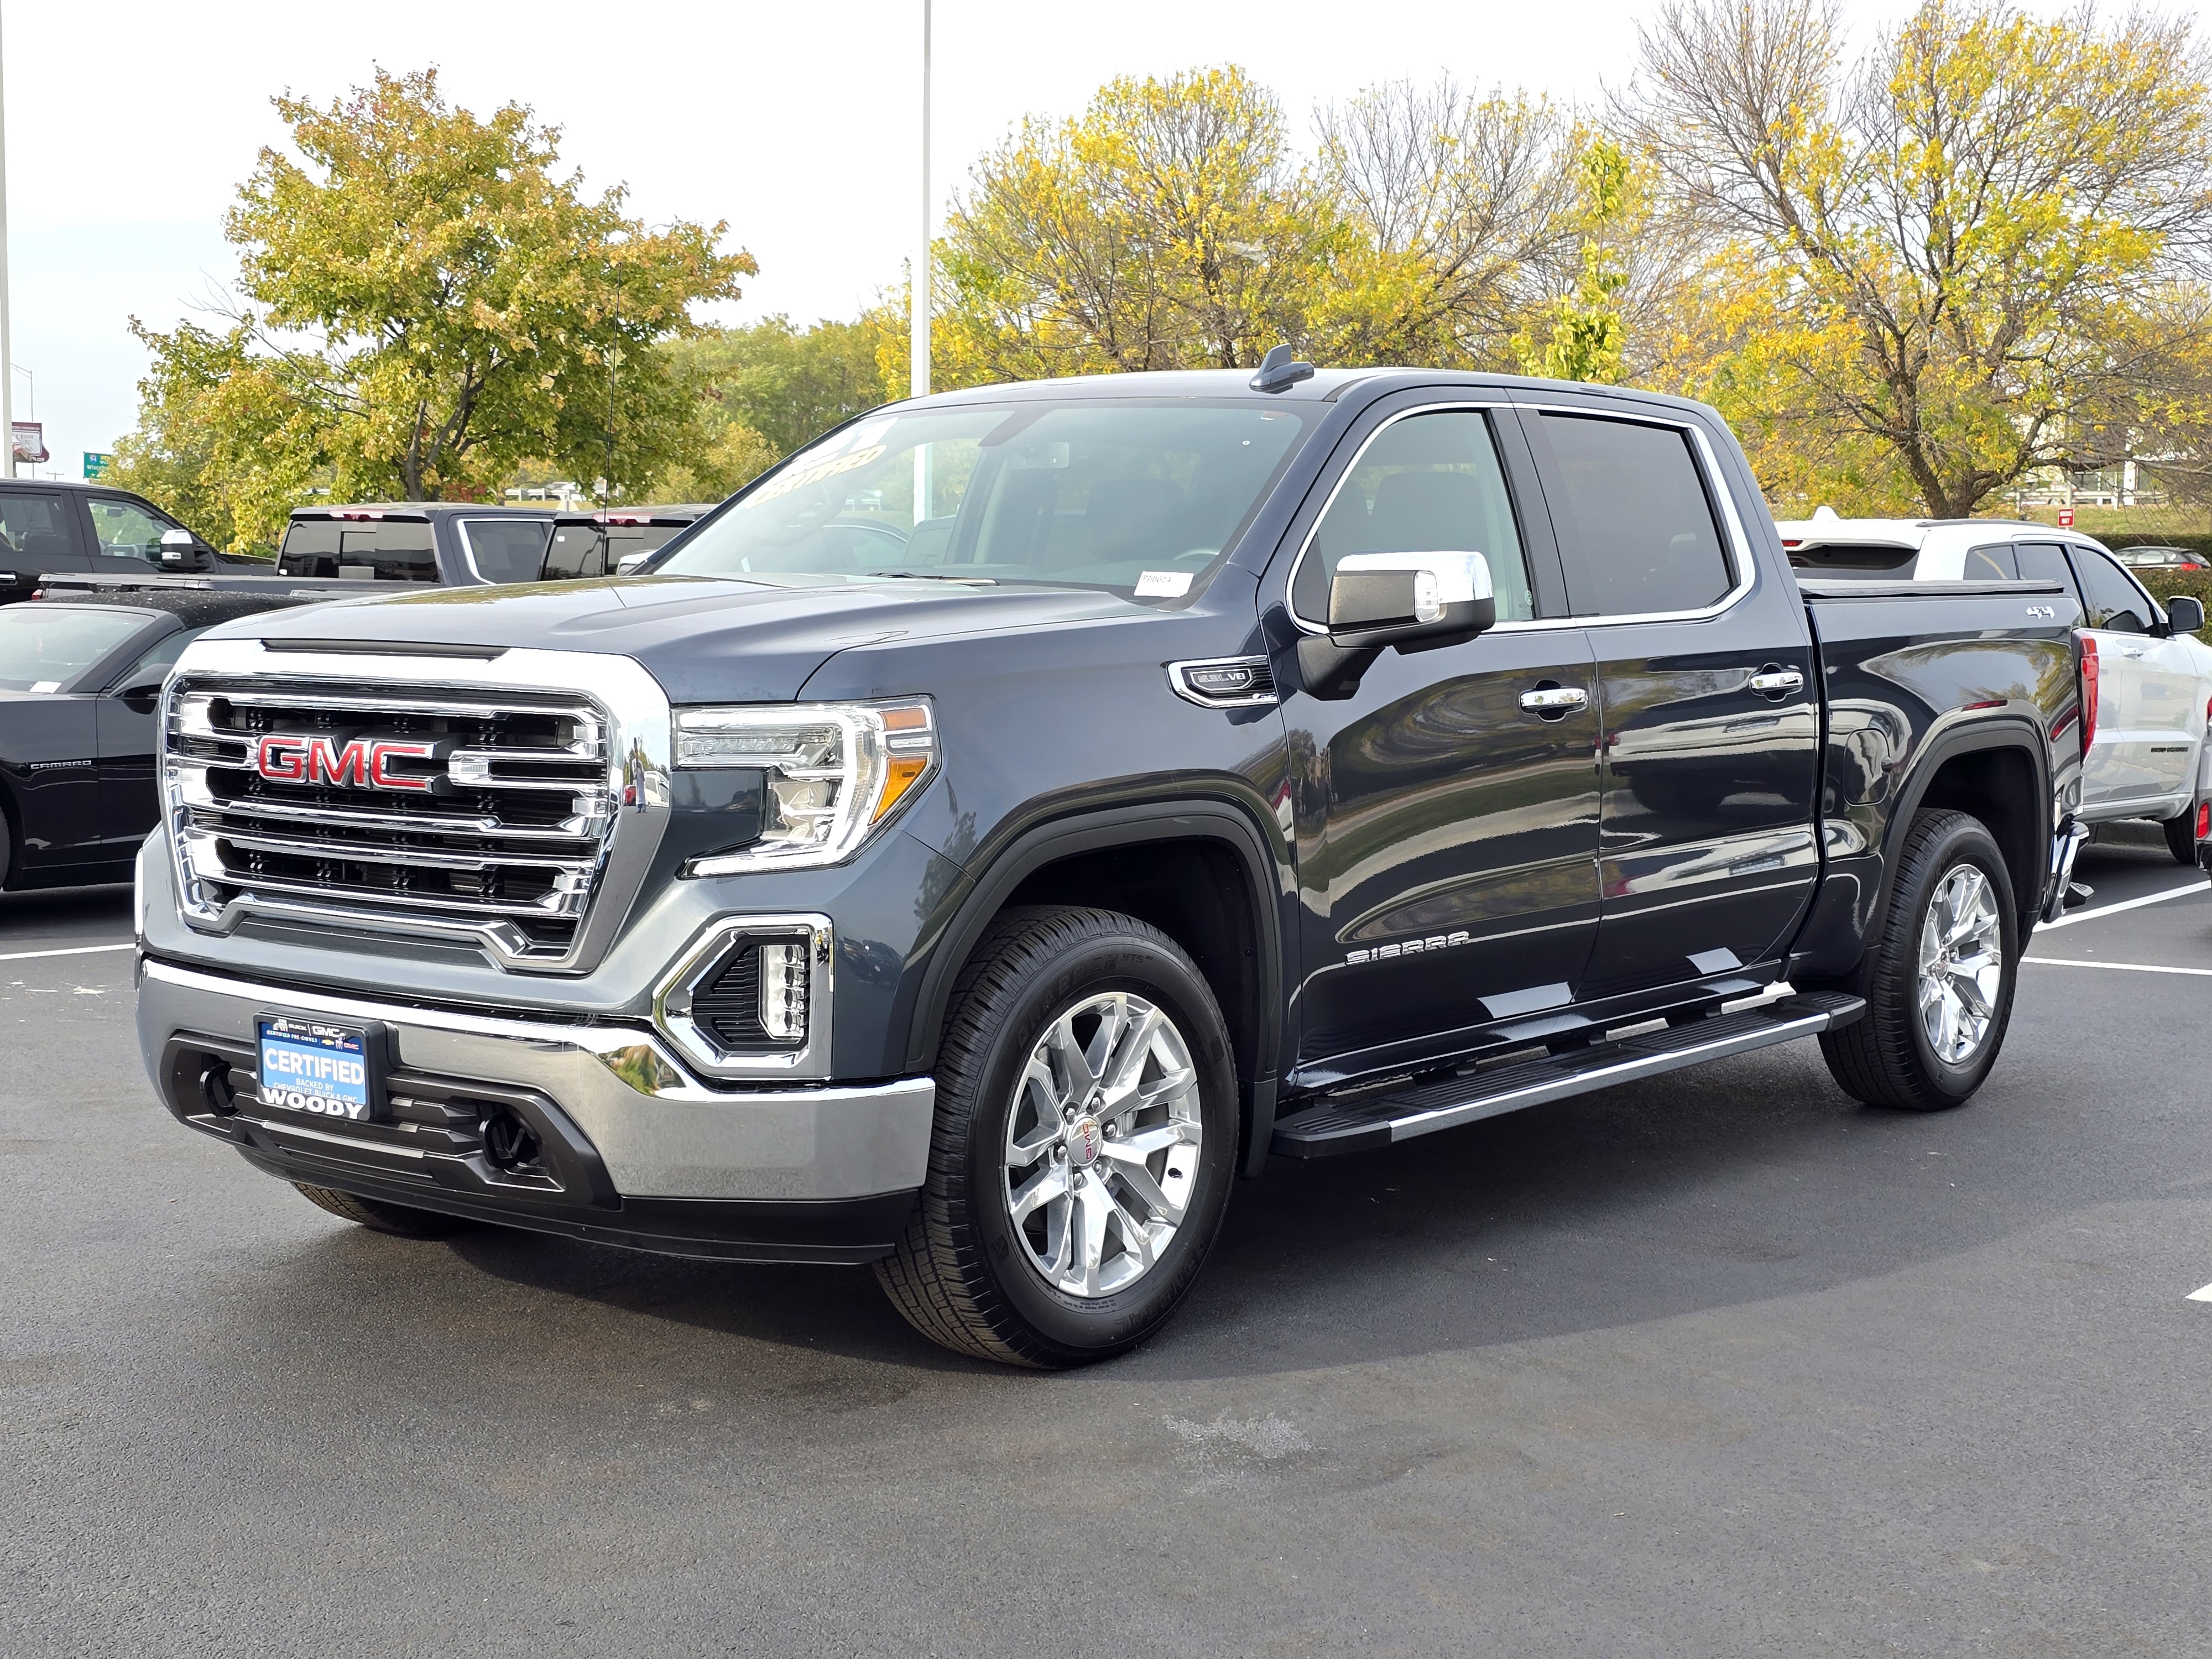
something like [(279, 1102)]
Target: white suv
[(2149, 757)]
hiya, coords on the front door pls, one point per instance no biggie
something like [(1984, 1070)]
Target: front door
[(1447, 812), (2149, 718), (1709, 699)]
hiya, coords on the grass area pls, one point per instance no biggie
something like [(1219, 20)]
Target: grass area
[(2130, 526)]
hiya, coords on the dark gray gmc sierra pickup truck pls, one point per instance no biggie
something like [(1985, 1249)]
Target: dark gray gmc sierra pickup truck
[(1027, 809)]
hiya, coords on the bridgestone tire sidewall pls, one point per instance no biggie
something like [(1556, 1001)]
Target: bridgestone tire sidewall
[(1966, 842), (1083, 1327)]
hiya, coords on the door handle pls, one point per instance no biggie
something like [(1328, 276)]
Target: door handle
[(1554, 699), (1778, 679)]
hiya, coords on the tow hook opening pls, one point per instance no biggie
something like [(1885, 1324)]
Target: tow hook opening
[(509, 1143), (216, 1087)]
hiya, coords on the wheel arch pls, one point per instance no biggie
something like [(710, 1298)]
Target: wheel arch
[(1202, 870), (2002, 764)]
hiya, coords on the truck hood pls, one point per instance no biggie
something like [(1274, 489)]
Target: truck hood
[(705, 640)]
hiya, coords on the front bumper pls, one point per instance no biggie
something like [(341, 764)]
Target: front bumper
[(634, 1151)]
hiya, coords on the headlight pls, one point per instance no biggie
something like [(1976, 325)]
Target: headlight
[(835, 770)]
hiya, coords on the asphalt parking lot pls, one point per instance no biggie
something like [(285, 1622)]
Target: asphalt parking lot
[(1723, 1364)]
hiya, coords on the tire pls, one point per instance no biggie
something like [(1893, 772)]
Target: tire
[(2181, 837), (971, 1274), (1889, 1058), (399, 1219)]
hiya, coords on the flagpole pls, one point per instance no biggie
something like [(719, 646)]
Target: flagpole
[(7, 342), (918, 294)]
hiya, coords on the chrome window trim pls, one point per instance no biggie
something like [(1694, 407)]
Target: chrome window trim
[(469, 551), (1744, 568), (671, 999), (628, 700), (1180, 685)]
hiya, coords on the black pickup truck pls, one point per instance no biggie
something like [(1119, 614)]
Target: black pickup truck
[(1028, 808)]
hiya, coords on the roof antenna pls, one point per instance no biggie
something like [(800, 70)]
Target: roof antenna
[(1280, 371)]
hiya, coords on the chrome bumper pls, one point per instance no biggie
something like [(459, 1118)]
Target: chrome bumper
[(658, 1133)]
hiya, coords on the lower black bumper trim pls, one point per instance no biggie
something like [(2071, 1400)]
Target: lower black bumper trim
[(847, 1231)]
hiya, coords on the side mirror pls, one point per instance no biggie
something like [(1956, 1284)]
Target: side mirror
[(143, 698), (178, 547), (1414, 601), (2184, 614)]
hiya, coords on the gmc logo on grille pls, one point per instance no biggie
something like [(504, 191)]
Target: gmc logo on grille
[(361, 763)]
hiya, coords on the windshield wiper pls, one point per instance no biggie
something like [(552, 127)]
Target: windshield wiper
[(937, 576)]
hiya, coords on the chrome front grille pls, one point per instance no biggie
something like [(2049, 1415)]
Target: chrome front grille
[(480, 812)]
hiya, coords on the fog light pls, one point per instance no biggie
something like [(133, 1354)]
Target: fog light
[(783, 991)]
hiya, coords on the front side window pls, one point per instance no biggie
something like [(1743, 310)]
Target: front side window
[(154, 667), (1137, 497), (42, 647), (578, 550), (2114, 602), (125, 530), (505, 550), (1635, 528), (1425, 483)]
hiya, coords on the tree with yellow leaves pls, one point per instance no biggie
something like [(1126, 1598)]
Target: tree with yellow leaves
[(1948, 267)]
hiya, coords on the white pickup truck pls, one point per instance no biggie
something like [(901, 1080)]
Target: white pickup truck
[(2147, 756)]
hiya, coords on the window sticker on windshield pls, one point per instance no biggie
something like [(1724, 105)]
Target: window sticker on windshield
[(1162, 584), (45, 685)]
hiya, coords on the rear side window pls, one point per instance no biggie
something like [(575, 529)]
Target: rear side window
[(505, 550), (2112, 601), (392, 550), (1994, 563), (1636, 527), (2045, 561), (1427, 483), (38, 532)]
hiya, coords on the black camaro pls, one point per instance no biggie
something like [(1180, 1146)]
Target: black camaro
[(80, 683)]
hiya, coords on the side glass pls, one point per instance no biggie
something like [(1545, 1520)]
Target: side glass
[(2113, 602), (37, 531), (1994, 563), (2045, 561), (125, 530), (1636, 529), (1425, 483), (578, 550), (505, 550)]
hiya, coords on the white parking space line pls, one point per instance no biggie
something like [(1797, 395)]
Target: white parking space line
[(2204, 1295), (73, 951), (2117, 967), (2127, 904)]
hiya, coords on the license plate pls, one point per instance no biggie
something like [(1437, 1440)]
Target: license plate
[(309, 1066)]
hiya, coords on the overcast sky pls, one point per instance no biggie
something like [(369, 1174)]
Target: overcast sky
[(130, 124)]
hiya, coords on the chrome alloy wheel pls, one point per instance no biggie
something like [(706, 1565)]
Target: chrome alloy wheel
[(1102, 1144), (1961, 963)]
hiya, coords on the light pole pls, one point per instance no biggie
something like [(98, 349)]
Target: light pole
[(917, 319), (7, 350)]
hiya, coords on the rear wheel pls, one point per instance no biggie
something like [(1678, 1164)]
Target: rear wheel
[(400, 1220), (1939, 994), (2181, 837), (1086, 1128)]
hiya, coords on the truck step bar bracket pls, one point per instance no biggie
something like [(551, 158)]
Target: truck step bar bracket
[(1346, 1125)]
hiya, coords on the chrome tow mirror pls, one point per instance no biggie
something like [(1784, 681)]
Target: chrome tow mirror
[(1409, 601)]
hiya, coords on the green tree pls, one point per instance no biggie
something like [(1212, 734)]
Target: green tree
[(765, 389), (424, 304), (1587, 339), (1946, 267)]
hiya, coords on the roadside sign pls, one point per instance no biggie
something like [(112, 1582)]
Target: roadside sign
[(31, 440), (95, 463), (2065, 518)]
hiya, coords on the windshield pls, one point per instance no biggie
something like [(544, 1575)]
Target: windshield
[(1140, 497), (42, 645)]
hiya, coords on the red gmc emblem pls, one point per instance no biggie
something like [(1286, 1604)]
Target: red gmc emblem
[(362, 762)]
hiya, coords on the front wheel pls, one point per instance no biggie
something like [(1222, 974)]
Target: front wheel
[(1082, 1157), (1939, 994)]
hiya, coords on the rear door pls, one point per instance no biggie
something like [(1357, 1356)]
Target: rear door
[(2150, 715), (1708, 699)]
